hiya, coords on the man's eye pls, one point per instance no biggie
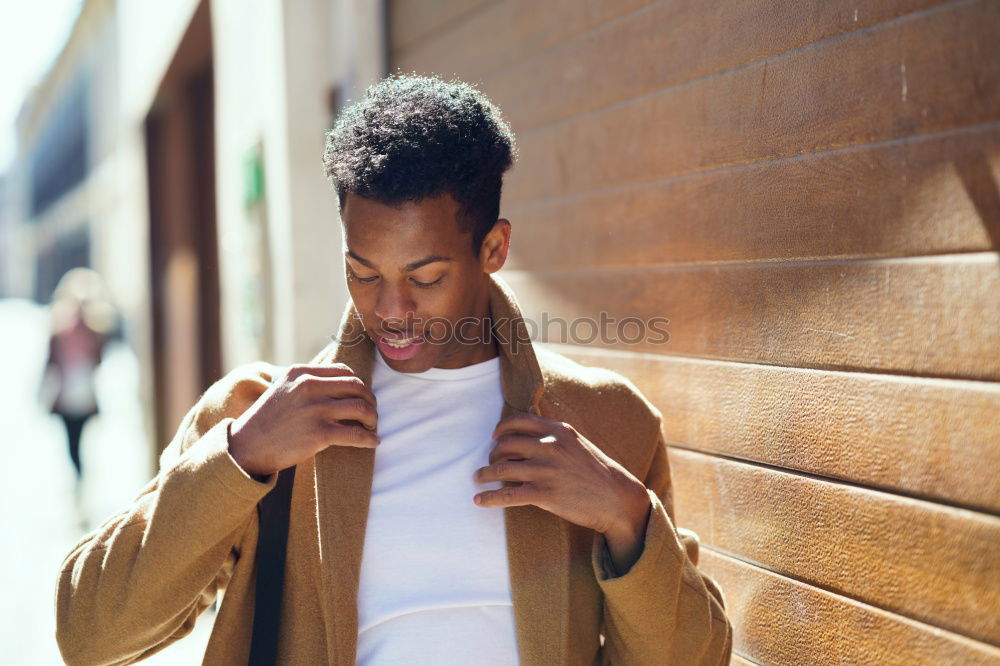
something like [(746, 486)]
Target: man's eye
[(361, 279), (422, 285)]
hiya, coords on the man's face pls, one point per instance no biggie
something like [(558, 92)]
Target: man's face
[(411, 273)]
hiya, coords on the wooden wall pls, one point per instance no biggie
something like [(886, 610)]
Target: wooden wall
[(808, 191)]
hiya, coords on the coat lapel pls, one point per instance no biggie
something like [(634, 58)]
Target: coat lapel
[(343, 478), (538, 546)]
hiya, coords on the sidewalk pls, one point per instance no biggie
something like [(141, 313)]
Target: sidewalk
[(37, 512)]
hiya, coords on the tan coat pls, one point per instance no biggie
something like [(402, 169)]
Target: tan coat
[(138, 582)]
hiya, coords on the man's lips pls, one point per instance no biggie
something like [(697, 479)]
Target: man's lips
[(399, 348), (400, 340)]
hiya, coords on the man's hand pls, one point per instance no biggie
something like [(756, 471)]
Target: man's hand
[(564, 473), (308, 409)]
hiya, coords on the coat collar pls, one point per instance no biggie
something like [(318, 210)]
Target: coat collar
[(537, 541)]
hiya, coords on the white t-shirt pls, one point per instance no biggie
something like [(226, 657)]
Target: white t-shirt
[(434, 585)]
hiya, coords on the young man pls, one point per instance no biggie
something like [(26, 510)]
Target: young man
[(459, 496)]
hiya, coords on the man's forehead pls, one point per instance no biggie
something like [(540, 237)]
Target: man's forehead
[(372, 262)]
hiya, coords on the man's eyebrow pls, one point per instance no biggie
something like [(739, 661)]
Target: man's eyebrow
[(409, 267)]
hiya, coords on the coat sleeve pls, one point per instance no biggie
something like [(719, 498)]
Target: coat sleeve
[(663, 610), (140, 579)]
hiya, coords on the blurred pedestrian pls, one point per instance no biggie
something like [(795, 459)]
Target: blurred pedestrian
[(83, 320)]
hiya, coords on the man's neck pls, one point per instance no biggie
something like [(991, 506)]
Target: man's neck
[(482, 351)]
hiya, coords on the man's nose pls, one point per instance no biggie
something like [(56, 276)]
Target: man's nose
[(394, 307)]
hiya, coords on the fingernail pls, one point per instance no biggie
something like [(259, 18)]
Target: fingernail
[(477, 499)]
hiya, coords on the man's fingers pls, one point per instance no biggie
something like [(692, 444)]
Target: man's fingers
[(346, 386), (511, 470), (525, 493), (350, 409), (352, 434), (526, 423), (320, 370), (516, 447)]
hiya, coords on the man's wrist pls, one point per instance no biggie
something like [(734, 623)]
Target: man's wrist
[(626, 536), (630, 528), (630, 519), (236, 454)]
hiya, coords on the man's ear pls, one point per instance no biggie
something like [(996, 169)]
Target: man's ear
[(496, 244)]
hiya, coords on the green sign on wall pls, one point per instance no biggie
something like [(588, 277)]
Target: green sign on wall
[(253, 177)]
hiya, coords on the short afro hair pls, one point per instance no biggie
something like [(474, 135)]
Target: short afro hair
[(415, 136)]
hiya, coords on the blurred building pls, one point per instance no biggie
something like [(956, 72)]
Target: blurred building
[(6, 233), (176, 148)]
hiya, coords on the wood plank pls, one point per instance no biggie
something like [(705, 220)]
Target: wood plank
[(906, 78), (506, 32), (780, 621), (411, 21), (926, 438), (928, 316), (925, 561), (927, 195), (671, 43)]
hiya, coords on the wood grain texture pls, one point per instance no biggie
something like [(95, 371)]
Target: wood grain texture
[(670, 43), (909, 77), (783, 622), (503, 33), (886, 315), (927, 195), (411, 21), (929, 439), (924, 561)]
